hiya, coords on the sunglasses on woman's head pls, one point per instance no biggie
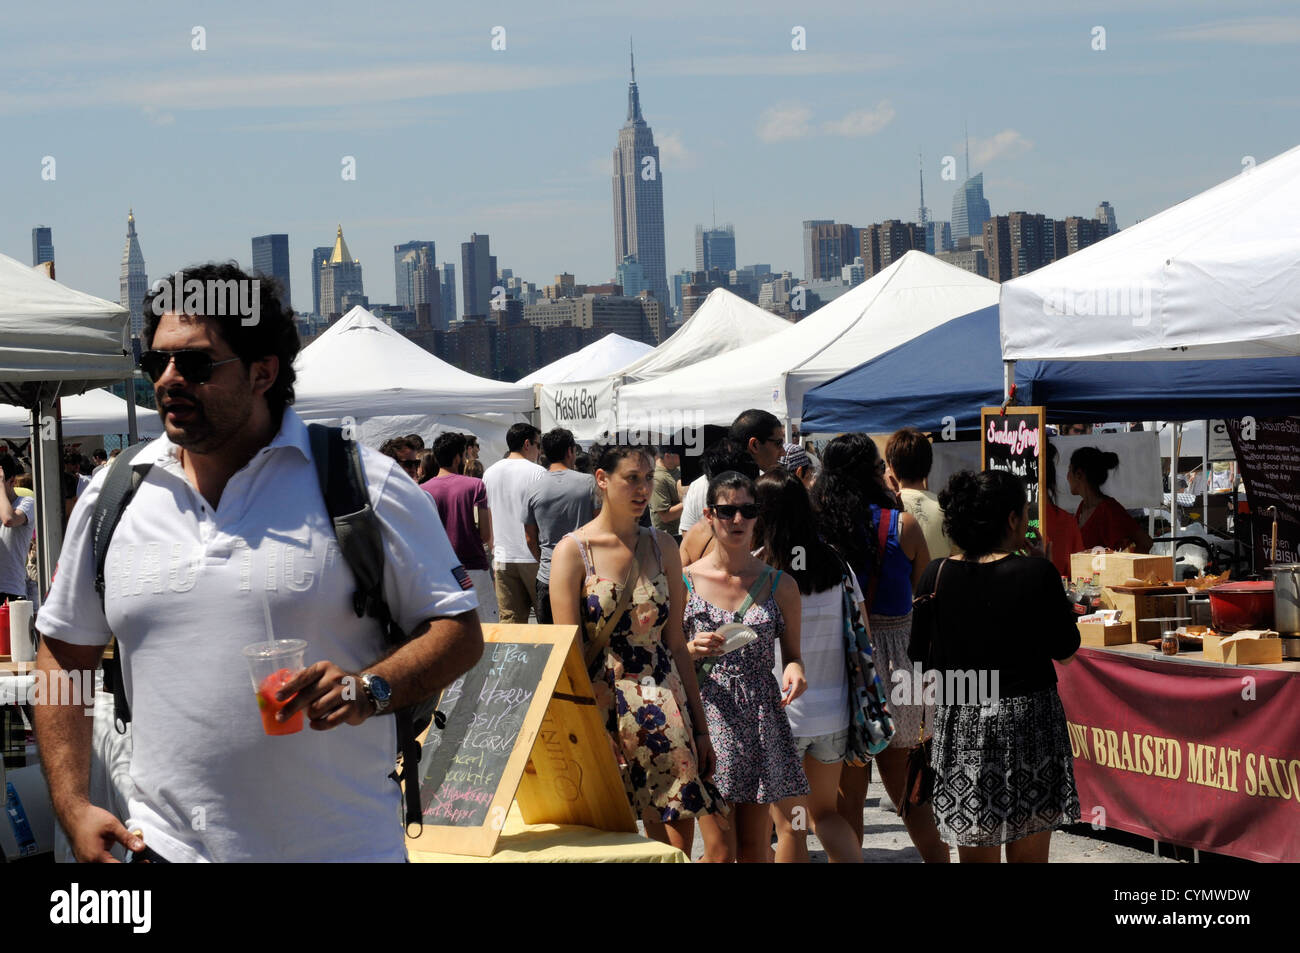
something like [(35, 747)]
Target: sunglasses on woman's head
[(727, 511), (195, 366)]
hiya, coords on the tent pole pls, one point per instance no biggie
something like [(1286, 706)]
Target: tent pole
[(1206, 470), (1008, 379), (1175, 447), (132, 434), (48, 467)]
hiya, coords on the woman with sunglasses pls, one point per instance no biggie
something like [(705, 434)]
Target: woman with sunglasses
[(857, 512), (623, 584), (758, 766)]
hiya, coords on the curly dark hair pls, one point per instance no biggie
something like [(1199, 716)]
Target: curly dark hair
[(976, 506), (848, 483), (275, 333)]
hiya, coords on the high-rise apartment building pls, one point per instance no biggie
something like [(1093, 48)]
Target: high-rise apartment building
[(42, 244), (476, 275), (715, 248), (967, 259), (886, 242), (404, 260), (319, 256), (133, 283), (340, 280), (639, 197), (997, 247), (970, 210), (447, 289), (1081, 232), (827, 248), (1105, 214), (271, 258)]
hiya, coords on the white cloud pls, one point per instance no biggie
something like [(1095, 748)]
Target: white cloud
[(673, 153), (784, 121), (1007, 144), (861, 122), (1262, 31)]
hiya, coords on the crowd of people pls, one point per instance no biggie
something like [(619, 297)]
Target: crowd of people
[(714, 618)]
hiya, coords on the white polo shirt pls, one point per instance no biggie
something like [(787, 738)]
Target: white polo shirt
[(185, 586), (508, 484)]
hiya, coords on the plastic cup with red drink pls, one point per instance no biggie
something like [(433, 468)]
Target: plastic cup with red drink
[(271, 665)]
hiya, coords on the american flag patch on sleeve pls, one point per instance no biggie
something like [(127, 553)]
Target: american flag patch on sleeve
[(462, 577)]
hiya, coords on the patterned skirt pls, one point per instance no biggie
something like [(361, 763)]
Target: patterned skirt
[(889, 637), (1002, 772)]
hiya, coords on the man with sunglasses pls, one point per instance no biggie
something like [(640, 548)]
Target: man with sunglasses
[(404, 452), (227, 541), (758, 433)]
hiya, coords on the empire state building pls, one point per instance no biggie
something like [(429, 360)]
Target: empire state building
[(639, 198)]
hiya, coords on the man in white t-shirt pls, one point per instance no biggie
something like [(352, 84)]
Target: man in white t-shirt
[(17, 514), (509, 482), (755, 432), (228, 528)]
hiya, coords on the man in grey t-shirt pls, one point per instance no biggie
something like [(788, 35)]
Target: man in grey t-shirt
[(561, 501)]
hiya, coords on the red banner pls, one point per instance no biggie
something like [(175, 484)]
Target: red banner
[(1198, 755)]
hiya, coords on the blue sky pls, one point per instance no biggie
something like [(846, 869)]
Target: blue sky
[(450, 136)]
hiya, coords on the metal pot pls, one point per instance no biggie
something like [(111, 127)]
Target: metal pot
[(1286, 598), (1241, 605)]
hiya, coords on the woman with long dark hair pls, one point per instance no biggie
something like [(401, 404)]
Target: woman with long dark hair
[(1003, 768), (758, 767), (1060, 530), (623, 584), (789, 541), (885, 547)]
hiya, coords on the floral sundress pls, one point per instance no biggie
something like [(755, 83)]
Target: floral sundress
[(640, 696)]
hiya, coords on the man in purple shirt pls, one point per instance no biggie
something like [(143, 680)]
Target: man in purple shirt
[(458, 499)]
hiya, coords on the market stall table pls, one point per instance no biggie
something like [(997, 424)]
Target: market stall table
[(1186, 750), (560, 844)]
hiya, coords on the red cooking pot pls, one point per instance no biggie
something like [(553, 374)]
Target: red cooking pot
[(1241, 605)]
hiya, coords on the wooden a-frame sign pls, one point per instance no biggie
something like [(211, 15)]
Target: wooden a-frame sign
[(521, 725)]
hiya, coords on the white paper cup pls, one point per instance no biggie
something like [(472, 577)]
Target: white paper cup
[(21, 646)]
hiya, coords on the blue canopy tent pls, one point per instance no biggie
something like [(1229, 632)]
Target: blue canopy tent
[(956, 368)]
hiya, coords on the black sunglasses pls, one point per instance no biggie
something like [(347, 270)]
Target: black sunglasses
[(410, 465), (727, 511), (195, 366)]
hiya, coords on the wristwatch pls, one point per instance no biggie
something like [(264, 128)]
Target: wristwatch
[(377, 691)]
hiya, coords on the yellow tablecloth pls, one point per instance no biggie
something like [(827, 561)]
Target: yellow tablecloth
[(560, 844)]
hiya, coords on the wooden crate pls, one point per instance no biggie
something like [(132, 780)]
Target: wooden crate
[(1100, 634), (1135, 608), (1115, 569)]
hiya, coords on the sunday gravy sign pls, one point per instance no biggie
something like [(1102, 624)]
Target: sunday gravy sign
[(584, 407)]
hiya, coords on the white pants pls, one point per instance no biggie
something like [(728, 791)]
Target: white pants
[(486, 590)]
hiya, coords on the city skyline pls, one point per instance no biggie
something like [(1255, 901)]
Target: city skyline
[(780, 135)]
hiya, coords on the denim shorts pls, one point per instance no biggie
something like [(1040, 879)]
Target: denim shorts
[(828, 749)]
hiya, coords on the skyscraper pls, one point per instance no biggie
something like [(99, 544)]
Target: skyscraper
[(970, 210), (476, 275), (405, 257), (340, 279), (1106, 215), (133, 283), (938, 237), (884, 243), (271, 258), (426, 290), (318, 257), (715, 248), (42, 244), (827, 248), (631, 276), (639, 197), (447, 290)]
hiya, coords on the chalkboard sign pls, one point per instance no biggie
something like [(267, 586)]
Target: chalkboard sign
[(1014, 442), (521, 721), (462, 765)]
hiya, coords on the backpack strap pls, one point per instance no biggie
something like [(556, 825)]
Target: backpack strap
[(119, 486), (343, 485)]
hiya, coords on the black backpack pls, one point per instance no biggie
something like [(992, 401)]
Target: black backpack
[(343, 485)]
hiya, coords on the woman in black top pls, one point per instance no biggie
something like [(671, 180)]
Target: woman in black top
[(1001, 755)]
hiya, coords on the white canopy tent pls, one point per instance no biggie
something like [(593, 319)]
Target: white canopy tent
[(92, 414), (913, 295), (362, 372), (597, 359), (1212, 277), (722, 323), (53, 341)]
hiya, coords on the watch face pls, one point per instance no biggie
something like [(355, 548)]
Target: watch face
[(379, 689)]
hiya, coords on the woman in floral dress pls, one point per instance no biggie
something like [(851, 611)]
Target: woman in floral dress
[(642, 674), (758, 764)]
